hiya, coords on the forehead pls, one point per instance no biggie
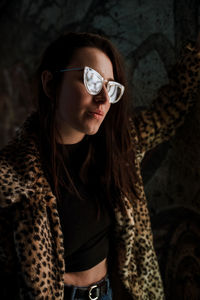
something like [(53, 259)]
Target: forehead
[(93, 58)]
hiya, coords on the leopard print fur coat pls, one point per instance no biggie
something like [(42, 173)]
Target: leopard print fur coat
[(31, 244)]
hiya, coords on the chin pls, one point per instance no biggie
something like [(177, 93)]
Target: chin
[(92, 131)]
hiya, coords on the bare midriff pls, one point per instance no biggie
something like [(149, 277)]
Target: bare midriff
[(90, 276)]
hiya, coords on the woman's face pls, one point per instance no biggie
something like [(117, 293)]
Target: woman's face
[(79, 113)]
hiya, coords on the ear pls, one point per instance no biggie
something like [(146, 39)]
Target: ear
[(46, 78)]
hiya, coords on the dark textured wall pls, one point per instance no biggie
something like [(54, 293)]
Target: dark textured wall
[(149, 34)]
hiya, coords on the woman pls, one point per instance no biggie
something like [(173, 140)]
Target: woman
[(74, 220)]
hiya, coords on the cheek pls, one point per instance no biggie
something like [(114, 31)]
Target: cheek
[(80, 96), (108, 107), (72, 98)]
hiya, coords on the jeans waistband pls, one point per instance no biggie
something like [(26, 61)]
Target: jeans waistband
[(91, 292)]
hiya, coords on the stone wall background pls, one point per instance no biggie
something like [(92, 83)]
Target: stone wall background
[(149, 34)]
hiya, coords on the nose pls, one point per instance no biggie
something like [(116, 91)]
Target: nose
[(102, 96)]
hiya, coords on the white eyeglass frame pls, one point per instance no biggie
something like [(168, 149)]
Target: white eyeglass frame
[(109, 82)]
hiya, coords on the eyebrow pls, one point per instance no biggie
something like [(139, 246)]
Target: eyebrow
[(109, 79), (82, 68)]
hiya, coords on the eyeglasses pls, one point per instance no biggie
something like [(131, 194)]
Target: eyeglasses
[(93, 82)]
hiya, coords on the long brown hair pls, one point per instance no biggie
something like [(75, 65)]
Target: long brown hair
[(110, 148)]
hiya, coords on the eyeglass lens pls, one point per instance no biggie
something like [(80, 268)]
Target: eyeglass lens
[(94, 85), (114, 92)]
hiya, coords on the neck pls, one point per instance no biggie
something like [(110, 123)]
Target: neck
[(69, 140), (69, 135)]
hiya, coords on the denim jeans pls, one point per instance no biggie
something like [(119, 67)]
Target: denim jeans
[(107, 296)]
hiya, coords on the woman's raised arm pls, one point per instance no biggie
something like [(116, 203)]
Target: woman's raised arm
[(167, 112)]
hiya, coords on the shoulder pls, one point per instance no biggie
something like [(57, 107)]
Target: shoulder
[(16, 166)]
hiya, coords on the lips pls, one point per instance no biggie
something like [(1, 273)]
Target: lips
[(97, 114)]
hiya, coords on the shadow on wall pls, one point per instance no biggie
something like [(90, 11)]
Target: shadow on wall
[(177, 233)]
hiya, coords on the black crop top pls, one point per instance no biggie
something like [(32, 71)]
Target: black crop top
[(86, 237)]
